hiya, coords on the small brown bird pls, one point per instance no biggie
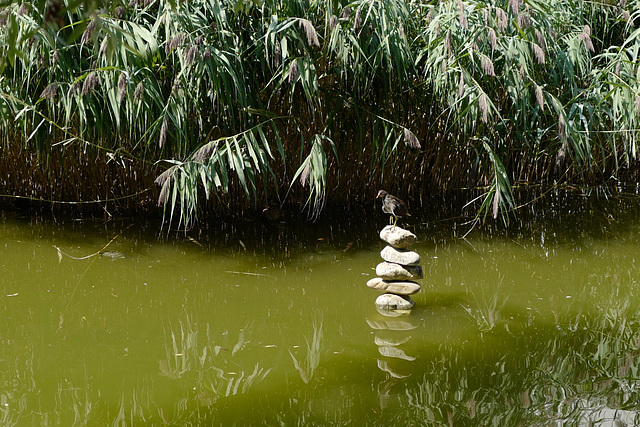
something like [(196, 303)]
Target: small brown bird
[(392, 206)]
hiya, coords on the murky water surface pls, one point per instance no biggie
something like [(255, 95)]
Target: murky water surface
[(264, 324)]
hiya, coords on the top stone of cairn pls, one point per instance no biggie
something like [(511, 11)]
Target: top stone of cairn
[(398, 237)]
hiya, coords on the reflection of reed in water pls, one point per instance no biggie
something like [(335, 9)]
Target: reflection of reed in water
[(487, 310), (77, 398), (186, 359), (312, 359), (581, 369)]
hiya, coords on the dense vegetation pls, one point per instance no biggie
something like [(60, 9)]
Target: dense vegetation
[(247, 103)]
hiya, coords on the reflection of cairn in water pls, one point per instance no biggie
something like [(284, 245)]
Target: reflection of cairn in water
[(396, 274), (390, 334)]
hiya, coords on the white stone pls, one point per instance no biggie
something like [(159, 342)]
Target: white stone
[(395, 287), (400, 256), (393, 271), (394, 302), (398, 237)]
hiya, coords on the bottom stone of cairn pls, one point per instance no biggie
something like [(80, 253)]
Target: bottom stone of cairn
[(394, 302)]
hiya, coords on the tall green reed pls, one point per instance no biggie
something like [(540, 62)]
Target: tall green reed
[(250, 102)]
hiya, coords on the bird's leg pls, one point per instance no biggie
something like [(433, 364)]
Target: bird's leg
[(390, 219), (395, 220)]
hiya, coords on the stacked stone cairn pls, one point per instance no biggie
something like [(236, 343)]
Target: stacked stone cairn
[(397, 273)]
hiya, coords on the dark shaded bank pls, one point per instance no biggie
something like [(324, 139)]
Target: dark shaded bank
[(61, 185), (566, 211)]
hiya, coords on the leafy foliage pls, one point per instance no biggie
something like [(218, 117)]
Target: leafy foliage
[(417, 96)]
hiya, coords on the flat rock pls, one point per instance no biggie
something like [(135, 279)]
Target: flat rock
[(393, 271), (400, 256), (398, 237), (405, 287), (394, 302)]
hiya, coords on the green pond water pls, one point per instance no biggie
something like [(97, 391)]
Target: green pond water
[(252, 323)]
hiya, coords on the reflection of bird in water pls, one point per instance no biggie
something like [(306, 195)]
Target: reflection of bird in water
[(393, 206)]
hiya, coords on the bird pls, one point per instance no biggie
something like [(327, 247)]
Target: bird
[(392, 206)]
